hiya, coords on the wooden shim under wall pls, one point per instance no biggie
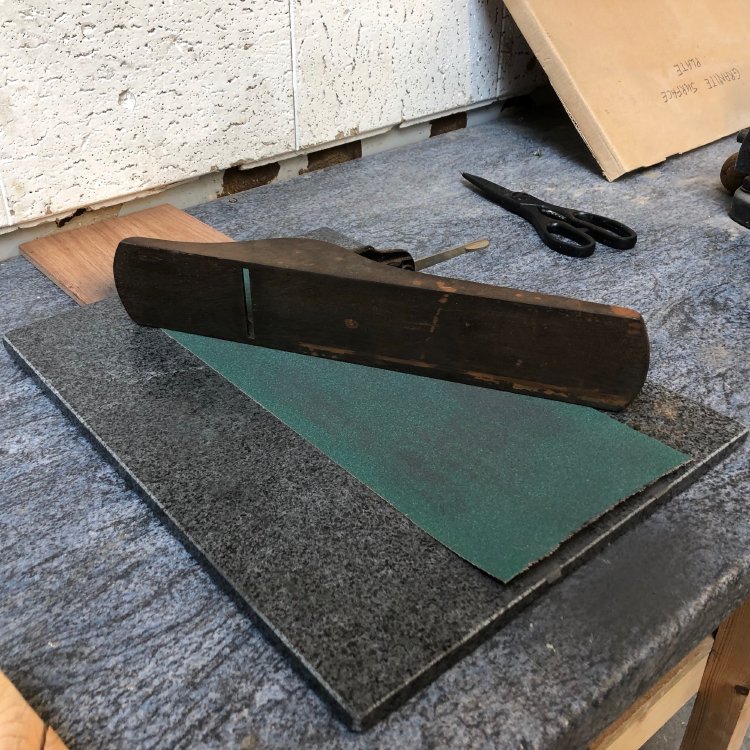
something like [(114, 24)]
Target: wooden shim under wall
[(79, 261)]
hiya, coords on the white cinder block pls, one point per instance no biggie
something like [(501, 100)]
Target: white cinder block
[(101, 100), (485, 31), (346, 69), (360, 67), (433, 56)]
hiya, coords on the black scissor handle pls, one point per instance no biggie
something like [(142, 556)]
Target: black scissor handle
[(558, 234), (604, 229)]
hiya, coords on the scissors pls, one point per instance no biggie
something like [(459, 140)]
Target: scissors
[(565, 230)]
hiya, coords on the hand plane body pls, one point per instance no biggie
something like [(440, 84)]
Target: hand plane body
[(319, 299)]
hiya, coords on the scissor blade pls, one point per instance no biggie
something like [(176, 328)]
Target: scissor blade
[(491, 190)]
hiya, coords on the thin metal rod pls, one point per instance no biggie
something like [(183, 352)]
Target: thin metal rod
[(454, 252)]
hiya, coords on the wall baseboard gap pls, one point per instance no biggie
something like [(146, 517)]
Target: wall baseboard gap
[(235, 179)]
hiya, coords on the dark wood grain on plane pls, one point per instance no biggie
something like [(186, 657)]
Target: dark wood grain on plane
[(315, 298)]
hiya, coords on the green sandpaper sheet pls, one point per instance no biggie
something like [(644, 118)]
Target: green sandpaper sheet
[(500, 479)]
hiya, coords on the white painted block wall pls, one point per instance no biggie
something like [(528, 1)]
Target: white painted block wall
[(104, 100)]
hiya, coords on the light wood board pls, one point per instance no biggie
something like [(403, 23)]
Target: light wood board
[(79, 261), (658, 705), (20, 727), (720, 716), (643, 80)]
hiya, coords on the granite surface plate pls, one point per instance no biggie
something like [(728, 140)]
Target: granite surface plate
[(368, 605)]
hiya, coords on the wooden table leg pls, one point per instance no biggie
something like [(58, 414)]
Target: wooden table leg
[(658, 705), (721, 714), (20, 727)]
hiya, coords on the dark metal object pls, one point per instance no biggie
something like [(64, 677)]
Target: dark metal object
[(737, 166), (735, 176), (565, 230), (740, 208), (395, 258), (403, 259), (453, 252), (743, 157), (320, 299), (730, 178)]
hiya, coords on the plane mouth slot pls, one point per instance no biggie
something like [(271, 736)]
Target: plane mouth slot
[(248, 303)]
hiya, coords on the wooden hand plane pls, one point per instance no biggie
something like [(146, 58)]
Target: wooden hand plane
[(315, 298)]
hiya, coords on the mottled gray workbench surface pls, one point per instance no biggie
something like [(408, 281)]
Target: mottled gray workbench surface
[(120, 640)]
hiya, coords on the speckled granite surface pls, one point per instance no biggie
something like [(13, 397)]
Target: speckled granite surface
[(118, 637), (367, 605)]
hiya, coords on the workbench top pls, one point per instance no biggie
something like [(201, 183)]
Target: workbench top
[(119, 639)]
